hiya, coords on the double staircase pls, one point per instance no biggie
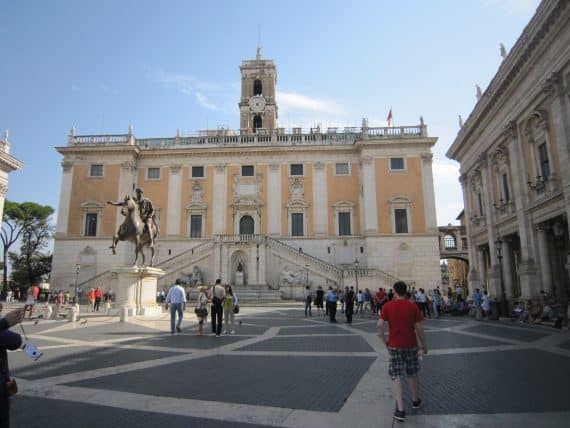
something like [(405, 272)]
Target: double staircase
[(326, 273)]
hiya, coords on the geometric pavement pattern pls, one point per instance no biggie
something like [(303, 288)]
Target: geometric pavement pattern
[(282, 369)]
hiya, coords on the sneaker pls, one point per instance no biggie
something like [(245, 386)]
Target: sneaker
[(417, 404), (178, 329), (233, 332), (400, 415)]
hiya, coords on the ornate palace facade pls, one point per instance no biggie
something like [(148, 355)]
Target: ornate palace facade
[(514, 152), (258, 207)]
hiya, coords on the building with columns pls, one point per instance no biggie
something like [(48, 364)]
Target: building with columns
[(264, 208), (514, 151), (8, 163)]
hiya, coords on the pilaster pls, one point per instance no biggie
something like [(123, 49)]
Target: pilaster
[(429, 193), (274, 200), (220, 200), (64, 198), (174, 201), (320, 214), (544, 260), (369, 195)]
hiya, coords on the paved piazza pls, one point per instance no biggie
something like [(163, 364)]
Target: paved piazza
[(282, 369)]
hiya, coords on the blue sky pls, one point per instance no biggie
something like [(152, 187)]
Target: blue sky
[(100, 66)]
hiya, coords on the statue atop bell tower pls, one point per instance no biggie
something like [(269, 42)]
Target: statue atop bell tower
[(257, 106)]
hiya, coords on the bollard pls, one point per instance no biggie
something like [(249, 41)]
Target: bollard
[(47, 311), (124, 313), (72, 314)]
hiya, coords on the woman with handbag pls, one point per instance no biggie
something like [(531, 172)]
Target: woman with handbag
[(230, 306), (201, 309)]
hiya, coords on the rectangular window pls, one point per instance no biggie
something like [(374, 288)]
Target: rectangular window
[(401, 220), (396, 164), (297, 224), (297, 169), (544, 162), (341, 168), (96, 171), (91, 224), (195, 226), (344, 224), (247, 171), (153, 174), (197, 171), (506, 194)]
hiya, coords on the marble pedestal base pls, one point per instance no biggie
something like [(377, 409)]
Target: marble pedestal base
[(135, 291)]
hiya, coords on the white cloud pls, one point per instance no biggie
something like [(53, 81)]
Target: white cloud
[(204, 102), (291, 101)]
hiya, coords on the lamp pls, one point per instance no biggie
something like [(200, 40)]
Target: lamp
[(77, 268), (356, 265)]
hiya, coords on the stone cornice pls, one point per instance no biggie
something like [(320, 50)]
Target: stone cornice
[(9, 163), (519, 59)]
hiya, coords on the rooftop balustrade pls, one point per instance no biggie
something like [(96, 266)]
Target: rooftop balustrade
[(279, 137)]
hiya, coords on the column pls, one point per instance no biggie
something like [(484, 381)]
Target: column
[(3, 191), (64, 199), (174, 200), (546, 274), (320, 198), (527, 266), (482, 265), (219, 204), (369, 195), (494, 274), (274, 200), (560, 110), (127, 181), (473, 278), (429, 194), (507, 269)]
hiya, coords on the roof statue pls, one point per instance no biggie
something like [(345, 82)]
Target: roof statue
[(460, 121), (479, 92), (502, 50)]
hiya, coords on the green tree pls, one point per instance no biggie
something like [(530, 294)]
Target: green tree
[(27, 221)]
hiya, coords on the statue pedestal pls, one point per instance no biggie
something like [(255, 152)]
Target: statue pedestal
[(135, 290), (239, 279)]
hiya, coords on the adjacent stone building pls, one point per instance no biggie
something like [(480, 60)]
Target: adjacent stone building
[(261, 207), (514, 151), (8, 163)]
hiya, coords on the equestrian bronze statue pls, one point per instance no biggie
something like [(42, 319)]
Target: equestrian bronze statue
[(139, 226)]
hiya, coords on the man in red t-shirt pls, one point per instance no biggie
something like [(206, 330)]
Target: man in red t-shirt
[(404, 321)]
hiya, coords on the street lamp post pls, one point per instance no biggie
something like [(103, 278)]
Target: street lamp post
[(356, 264), (504, 304), (77, 268), (307, 271)]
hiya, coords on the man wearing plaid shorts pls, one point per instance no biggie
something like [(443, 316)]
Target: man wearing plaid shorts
[(404, 321)]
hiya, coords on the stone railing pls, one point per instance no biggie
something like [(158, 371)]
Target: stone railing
[(245, 239), (172, 266), (329, 268), (214, 138), (382, 277)]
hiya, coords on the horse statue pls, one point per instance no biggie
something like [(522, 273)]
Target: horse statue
[(134, 229)]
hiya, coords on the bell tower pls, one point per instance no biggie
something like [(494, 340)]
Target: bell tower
[(257, 106)]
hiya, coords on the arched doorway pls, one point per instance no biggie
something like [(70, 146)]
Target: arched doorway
[(246, 225)]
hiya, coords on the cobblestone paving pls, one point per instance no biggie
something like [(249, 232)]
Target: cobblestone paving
[(282, 369)]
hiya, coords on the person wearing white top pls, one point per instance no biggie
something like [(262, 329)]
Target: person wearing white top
[(176, 299), (217, 311)]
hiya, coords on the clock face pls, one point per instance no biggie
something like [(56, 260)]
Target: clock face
[(257, 103)]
